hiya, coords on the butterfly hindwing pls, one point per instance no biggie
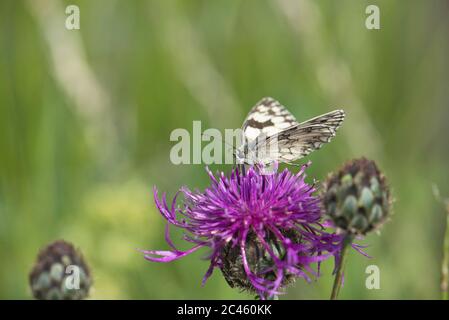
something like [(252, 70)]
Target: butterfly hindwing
[(294, 143), (331, 119)]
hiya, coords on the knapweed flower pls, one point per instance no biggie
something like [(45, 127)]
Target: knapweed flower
[(356, 197), (263, 230), (60, 273)]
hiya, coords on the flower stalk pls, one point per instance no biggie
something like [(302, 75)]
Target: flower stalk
[(444, 284), (338, 281), (445, 263)]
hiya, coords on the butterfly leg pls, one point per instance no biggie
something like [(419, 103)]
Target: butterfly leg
[(294, 164), (241, 168)]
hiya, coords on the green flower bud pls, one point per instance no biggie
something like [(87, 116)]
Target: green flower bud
[(56, 272), (366, 199), (349, 208), (359, 222), (376, 214), (357, 198), (60, 273)]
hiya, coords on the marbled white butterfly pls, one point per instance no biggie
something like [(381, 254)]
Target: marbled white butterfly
[(272, 134)]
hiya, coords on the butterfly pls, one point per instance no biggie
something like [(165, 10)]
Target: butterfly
[(270, 134)]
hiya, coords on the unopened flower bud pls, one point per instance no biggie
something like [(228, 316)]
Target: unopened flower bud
[(357, 197), (60, 273)]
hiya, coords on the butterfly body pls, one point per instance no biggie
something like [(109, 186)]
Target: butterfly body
[(272, 134)]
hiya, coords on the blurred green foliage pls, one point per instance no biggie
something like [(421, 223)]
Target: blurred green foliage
[(85, 119)]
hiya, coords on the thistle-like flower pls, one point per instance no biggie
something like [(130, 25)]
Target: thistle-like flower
[(50, 277), (263, 230), (357, 198)]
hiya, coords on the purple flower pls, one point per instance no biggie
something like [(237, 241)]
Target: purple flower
[(263, 230)]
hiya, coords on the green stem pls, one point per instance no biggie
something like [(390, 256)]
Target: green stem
[(347, 241), (445, 263)]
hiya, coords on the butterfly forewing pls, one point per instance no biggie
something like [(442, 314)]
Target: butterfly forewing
[(268, 117)]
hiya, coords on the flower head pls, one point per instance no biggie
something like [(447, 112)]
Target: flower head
[(356, 197), (49, 279), (263, 230)]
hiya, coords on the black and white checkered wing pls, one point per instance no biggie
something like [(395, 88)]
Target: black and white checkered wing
[(301, 139), (268, 117), (332, 120)]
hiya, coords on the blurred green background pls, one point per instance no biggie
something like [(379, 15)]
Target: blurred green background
[(85, 119)]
